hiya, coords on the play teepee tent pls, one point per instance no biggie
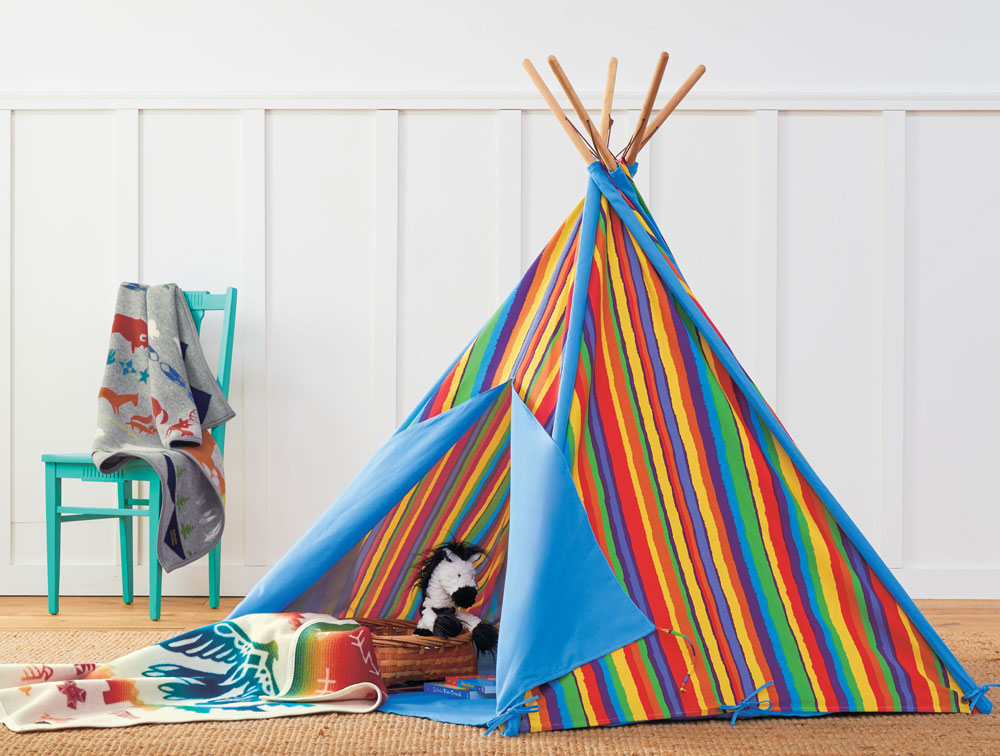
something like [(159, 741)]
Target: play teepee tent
[(660, 547)]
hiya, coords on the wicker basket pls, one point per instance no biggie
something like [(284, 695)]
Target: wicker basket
[(405, 657)]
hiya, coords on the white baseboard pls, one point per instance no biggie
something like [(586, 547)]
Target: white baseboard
[(237, 580), (950, 583), (105, 580)]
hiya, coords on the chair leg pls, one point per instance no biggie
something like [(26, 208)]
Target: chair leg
[(155, 571), (125, 540), (53, 532), (214, 557)]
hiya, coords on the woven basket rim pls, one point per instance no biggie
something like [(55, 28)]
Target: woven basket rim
[(408, 640)]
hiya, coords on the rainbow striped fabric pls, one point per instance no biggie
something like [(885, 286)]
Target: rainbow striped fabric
[(465, 494), (715, 534), (765, 596)]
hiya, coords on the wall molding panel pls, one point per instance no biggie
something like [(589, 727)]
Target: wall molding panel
[(386, 284), (126, 195), (509, 171), (251, 314), (893, 332), (765, 216), (6, 397), (501, 131)]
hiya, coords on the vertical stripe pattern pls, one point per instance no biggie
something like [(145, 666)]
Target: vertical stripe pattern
[(464, 496), (705, 520), (714, 534)]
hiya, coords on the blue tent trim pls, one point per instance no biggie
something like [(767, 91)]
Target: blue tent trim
[(574, 329)]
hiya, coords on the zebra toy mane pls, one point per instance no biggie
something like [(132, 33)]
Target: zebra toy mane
[(431, 559)]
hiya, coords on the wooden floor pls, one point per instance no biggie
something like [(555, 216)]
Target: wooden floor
[(184, 613), (109, 613)]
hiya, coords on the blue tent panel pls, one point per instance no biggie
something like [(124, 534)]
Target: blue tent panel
[(386, 479)]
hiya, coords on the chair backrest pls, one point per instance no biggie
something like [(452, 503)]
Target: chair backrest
[(199, 303)]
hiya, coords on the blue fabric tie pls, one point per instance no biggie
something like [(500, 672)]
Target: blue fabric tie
[(746, 703), (511, 718), (974, 697)]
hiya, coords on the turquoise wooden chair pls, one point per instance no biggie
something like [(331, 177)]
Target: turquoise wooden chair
[(81, 467)]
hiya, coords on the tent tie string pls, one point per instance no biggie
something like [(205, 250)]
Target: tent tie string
[(978, 694), (746, 704), (694, 652), (511, 717)]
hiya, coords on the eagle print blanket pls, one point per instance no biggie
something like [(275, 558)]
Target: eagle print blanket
[(255, 667), (157, 403)]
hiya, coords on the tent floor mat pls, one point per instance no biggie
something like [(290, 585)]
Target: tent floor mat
[(388, 734)]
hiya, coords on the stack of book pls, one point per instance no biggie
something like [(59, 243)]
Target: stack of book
[(482, 686)]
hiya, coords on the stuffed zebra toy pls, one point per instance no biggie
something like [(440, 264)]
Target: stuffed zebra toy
[(446, 579)]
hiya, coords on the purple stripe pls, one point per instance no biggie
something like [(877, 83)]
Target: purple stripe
[(880, 626), (622, 543), (552, 706), (465, 448), (520, 295), (549, 290), (727, 508), (786, 505), (681, 461)]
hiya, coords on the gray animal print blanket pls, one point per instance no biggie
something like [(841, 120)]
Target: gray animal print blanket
[(157, 404)]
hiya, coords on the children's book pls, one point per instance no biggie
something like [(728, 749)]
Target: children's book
[(485, 684), (451, 691)]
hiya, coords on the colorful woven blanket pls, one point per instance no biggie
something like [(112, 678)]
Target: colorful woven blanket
[(157, 403), (255, 667)]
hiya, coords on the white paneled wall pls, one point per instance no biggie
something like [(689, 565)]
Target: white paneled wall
[(952, 348), (829, 300), (846, 248), (62, 219), (320, 310), (448, 251)]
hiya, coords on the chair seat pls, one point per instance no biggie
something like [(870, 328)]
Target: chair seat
[(75, 459), (134, 470)]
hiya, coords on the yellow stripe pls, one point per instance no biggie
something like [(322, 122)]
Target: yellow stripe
[(671, 512), (550, 325), (449, 399), (535, 718), (657, 454), (399, 539), (546, 385), (707, 506), (771, 550), (361, 587), (588, 707), (531, 371), (526, 318), (827, 580), (620, 663), (919, 659), (471, 481)]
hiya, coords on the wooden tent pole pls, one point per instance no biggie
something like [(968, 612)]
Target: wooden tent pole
[(558, 112), (647, 107), (671, 105), (609, 93), (607, 159)]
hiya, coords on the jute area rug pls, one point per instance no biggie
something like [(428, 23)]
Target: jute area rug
[(388, 734)]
